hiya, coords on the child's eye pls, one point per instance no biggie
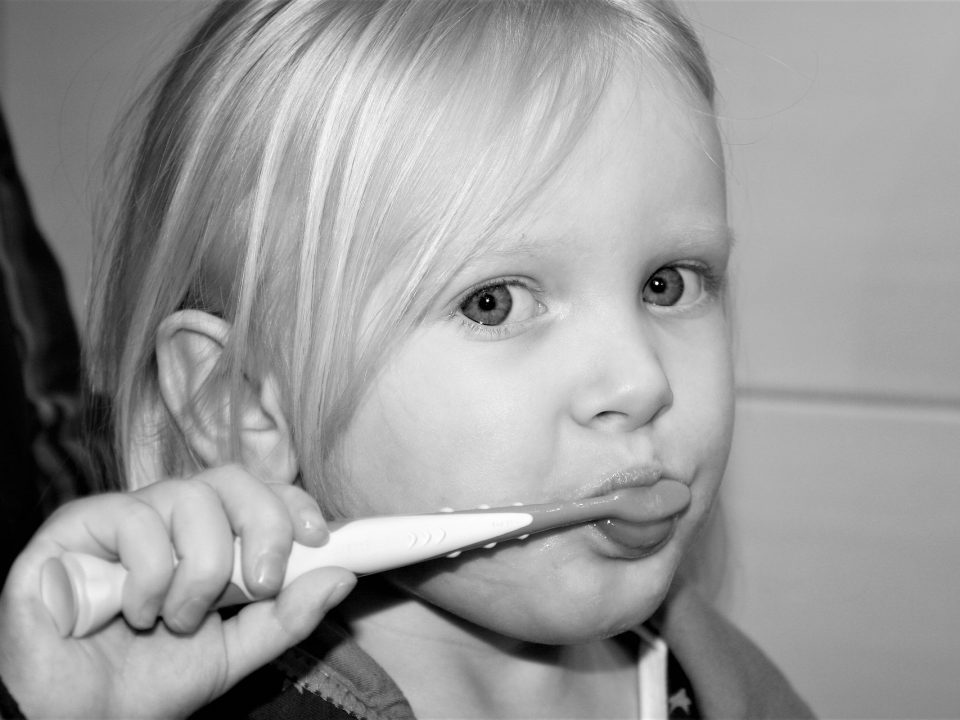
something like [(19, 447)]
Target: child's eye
[(673, 285), (499, 303)]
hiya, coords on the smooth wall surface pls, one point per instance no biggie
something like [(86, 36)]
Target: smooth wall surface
[(844, 161), (844, 485)]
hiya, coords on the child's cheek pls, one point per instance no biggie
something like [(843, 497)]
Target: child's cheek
[(435, 431)]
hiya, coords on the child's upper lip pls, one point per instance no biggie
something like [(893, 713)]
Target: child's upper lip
[(637, 475), (640, 474)]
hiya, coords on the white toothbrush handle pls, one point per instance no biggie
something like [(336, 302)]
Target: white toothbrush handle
[(84, 592)]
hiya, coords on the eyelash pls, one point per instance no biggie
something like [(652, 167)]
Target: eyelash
[(495, 332), (714, 283)]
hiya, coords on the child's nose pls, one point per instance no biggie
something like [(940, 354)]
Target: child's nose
[(624, 385)]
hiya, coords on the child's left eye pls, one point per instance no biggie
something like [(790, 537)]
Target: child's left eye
[(500, 303), (674, 285)]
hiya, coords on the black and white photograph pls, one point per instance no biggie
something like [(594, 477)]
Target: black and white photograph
[(540, 359)]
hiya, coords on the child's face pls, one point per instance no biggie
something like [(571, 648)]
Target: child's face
[(604, 358)]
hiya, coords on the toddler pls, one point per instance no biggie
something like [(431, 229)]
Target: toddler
[(385, 257)]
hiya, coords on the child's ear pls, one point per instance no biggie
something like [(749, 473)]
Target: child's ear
[(189, 346)]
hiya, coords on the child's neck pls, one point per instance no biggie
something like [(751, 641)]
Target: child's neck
[(448, 668)]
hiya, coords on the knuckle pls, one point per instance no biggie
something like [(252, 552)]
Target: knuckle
[(271, 533), (152, 578), (196, 493), (207, 568), (293, 494), (137, 513), (231, 473), (288, 504), (267, 513)]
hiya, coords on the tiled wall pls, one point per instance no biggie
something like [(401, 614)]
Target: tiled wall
[(843, 126), (842, 495)]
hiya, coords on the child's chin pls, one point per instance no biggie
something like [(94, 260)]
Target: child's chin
[(563, 626), (551, 618), (575, 602)]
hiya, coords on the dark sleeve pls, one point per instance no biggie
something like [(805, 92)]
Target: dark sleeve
[(40, 379), (9, 710)]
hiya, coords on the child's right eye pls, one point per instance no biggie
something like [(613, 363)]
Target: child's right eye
[(499, 303)]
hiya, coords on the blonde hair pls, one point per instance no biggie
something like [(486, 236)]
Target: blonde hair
[(298, 154)]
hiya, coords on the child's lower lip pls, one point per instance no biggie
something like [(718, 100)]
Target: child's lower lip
[(637, 540)]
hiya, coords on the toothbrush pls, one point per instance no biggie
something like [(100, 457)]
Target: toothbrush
[(84, 592)]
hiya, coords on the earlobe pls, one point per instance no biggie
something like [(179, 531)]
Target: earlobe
[(268, 451), (190, 344)]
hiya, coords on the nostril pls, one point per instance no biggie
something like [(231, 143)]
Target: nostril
[(610, 414), (610, 418)]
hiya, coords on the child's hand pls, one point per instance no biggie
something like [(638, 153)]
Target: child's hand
[(136, 666)]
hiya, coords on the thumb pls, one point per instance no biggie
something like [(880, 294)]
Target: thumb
[(264, 630)]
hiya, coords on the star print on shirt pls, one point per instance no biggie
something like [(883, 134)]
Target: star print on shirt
[(681, 695), (680, 701)]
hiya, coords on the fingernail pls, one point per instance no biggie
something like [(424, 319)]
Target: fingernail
[(312, 521), (148, 616), (268, 570), (189, 615), (339, 593)]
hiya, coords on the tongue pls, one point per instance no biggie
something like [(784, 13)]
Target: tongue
[(646, 535)]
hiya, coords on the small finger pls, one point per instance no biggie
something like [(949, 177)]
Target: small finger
[(203, 541), (309, 525), (146, 551), (261, 521)]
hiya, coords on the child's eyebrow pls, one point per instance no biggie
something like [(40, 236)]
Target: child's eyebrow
[(684, 238), (699, 236), (522, 244)]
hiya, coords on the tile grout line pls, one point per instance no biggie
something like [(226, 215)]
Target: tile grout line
[(849, 399)]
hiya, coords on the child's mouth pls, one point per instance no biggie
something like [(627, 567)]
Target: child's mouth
[(641, 518)]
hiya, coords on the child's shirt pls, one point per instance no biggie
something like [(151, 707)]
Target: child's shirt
[(330, 676), (712, 670)]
